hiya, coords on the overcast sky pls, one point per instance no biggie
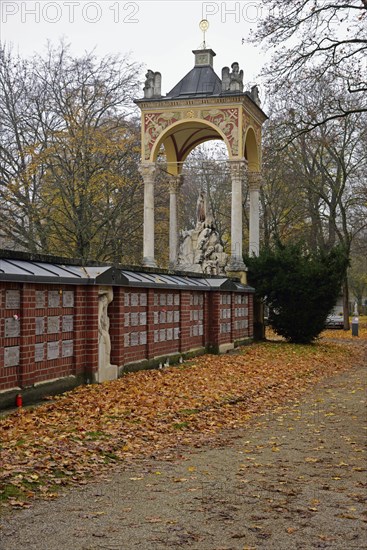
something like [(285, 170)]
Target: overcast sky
[(160, 34)]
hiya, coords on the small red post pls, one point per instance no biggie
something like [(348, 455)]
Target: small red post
[(19, 400)]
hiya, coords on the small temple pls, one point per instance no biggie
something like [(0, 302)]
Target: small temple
[(202, 107)]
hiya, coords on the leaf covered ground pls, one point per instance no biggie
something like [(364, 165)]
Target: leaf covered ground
[(82, 432)]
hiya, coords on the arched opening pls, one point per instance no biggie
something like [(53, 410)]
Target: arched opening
[(251, 153), (183, 137)]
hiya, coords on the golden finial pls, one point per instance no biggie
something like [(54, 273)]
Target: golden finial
[(204, 26)]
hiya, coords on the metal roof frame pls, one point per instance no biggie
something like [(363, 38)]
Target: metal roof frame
[(29, 271)]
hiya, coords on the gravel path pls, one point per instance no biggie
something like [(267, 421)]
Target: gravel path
[(295, 478)]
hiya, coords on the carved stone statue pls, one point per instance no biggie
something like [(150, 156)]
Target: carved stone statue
[(236, 78), (106, 371), (153, 83), (200, 248), (255, 95), (201, 208), (232, 81)]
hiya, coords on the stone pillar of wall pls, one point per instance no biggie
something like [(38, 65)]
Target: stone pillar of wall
[(148, 170), (185, 340), (150, 324), (117, 322), (80, 302), (27, 367), (91, 333)]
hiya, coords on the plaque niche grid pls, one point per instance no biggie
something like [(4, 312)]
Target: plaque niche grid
[(67, 323), (40, 299), (67, 348), (53, 350), (12, 299), (39, 352), (53, 324), (11, 356), (68, 298), (40, 325), (12, 328), (53, 298)]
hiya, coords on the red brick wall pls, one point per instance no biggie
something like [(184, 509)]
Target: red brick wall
[(55, 327)]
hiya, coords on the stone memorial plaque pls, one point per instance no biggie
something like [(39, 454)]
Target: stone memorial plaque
[(53, 350), (162, 335), (169, 334), (169, 316), (143, 300), (40, 299), (127, 319), (12, 328), (134, 319), (53, 325), (134, 339), (156, 318), (40, 325), (11, 356), (67, 323), (126, 340), (12, 299), (143, 318), (170, 299), (143, 338), (134, 300), (39, 352), (162, 299), (127, 299), (68, 298), (53, 298), (176, 333), (67, 348), (176, 316)]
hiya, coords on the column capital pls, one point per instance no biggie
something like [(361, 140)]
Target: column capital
[(237, 168), (147, 170), (254, 180), (174, 183)]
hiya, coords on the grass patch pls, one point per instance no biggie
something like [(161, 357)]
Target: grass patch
[(187, 412), (180, 425)]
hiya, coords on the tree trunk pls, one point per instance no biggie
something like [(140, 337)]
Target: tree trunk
[(346, 304)]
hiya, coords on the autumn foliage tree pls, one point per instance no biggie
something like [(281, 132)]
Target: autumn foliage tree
[(299, 286), (69, 155)]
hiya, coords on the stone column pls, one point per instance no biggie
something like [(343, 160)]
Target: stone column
[(174, 184), (254, 182), (237, 169), (147, 170)]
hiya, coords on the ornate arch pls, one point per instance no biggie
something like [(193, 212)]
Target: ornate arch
[(181, 137), (251, 149)]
